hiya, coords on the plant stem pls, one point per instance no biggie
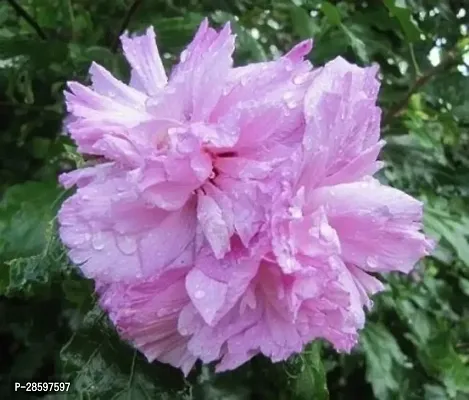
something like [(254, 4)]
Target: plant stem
[(451, 59), (125, 22), (22, 13)]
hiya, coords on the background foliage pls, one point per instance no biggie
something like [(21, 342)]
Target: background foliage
[(416, 343)]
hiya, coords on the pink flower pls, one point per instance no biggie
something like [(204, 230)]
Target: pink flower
[(236, 213), (185, 152)]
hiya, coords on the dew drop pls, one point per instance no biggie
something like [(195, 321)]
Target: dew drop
[(85, 197), (199, 294), (300, 79), (183, 57), (176, 130), (183, 331), (149, 204), (161, 312), (296, 212), (87, 237), (120, 187), (97, 240), (371, 262), (126, 244)]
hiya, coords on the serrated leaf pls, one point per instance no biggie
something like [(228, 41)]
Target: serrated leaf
[(100, 366), (311, 382), (445, 363), (454, 233), (385, 361), (25, 214)]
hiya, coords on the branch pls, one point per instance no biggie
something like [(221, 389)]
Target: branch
[(22, 13), (125, 22), (451, 59)]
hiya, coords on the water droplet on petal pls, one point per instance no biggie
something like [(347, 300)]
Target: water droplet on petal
[(85, 197), (296, 212), (120, 187), (243, 81), (176, 130), (87, 237), (149, 204), (199, 294), (183, 56), (371, 262), (126, 244), (161, 312), (97, 241), (183, 331), (300, 79)]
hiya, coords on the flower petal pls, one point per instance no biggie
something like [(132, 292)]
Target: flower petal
[(378, 226), (148, 74), (146, 314)]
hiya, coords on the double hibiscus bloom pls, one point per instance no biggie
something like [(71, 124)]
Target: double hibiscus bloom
[(235, 212)]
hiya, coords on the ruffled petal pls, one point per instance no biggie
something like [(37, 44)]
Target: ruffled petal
[(215, 228), (343, 120), (146, 314), (83, 102), (113, 235), (206, 60), (147, 74), (378, 226)]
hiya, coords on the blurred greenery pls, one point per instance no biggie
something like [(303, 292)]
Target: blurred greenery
[(416, 343)]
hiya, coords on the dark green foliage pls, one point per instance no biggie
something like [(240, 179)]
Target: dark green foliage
[(416, 343)]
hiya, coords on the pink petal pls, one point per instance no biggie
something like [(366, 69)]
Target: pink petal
[(148, 74), (113, 235), (205, 61), (146, 314), (215, 228), (342, 118), (208, 295), (378, 226), (107, 85), (85, 103)]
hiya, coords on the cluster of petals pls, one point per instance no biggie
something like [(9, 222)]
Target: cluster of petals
[(234, 212)]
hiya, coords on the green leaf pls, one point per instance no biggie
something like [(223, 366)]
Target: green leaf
[(100, 366), (26, 211), (385, 362), (311, 381), (358, 46), (455, 234), (399, 10), (331, 12), (446, 363), (303, 24)]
